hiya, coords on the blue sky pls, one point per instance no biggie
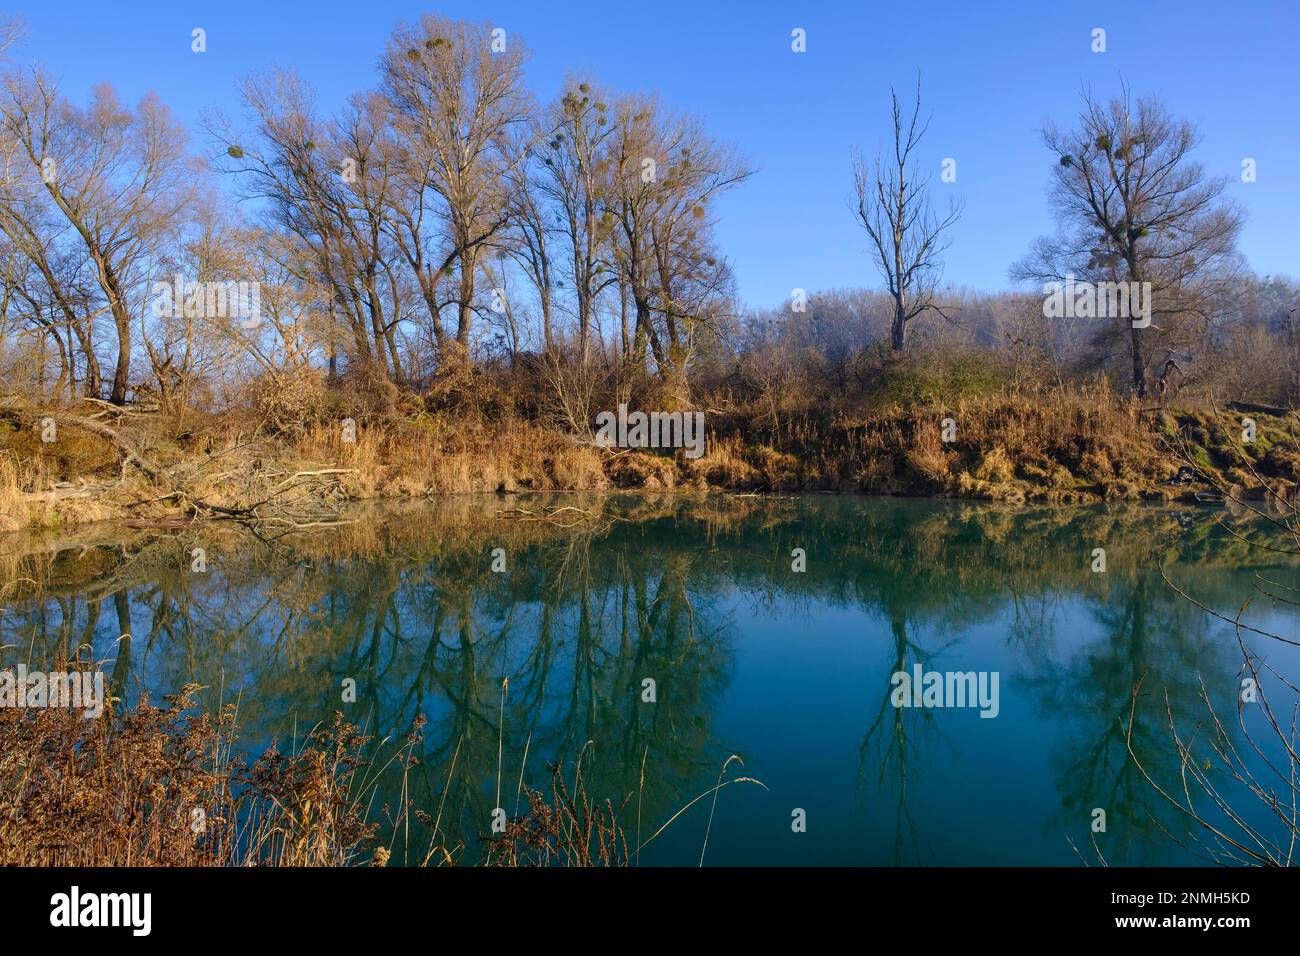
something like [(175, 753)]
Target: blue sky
[(991, 73)]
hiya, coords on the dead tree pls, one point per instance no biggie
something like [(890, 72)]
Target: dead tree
[(907, 237)]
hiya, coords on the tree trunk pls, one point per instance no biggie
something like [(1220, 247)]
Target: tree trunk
[(465, 307), (582, 321), (646, 332), (1139, 364), (394, 356), (122, 373), (93, 384), (1135, 334), (898, 329), (622, 318), (548, 336)]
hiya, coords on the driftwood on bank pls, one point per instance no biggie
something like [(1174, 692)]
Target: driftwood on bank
[(1258, 409), (269, 506)]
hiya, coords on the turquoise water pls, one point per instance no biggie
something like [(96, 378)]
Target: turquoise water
[(790, 670)]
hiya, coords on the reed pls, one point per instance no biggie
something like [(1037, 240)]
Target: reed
[(167, 785)]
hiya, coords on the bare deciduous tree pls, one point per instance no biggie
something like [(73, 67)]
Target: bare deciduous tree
[(1133, 206), (907, 236), (576, 159), (666, 171), (458, 95), (118, 179)]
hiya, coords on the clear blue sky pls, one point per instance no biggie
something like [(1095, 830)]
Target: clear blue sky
[(991, 77)]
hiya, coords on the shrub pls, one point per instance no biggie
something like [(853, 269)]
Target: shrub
[(289, 402)]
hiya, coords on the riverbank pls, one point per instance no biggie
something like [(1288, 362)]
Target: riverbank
[(139, 465)]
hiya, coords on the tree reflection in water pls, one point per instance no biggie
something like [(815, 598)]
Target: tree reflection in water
[(405, 603)]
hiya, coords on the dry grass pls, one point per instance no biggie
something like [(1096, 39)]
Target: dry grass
[(434, 456), (162, 786), (1066, 445), (13, 508), (166, 786), (568, 827), (1071, 444)]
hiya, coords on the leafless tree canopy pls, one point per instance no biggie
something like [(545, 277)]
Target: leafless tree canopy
[(907, 237), (1134, 206), (443, 224)]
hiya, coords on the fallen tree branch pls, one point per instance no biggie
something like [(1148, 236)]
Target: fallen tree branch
[(161, 477), (128, 452)]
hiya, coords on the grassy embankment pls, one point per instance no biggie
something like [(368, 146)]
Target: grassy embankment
[(1068, 445)]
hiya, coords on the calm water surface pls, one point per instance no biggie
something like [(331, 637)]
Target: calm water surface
[(790, 670)]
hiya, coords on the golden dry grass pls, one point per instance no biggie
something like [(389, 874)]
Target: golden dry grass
[(162, 786), (1070, 444)]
